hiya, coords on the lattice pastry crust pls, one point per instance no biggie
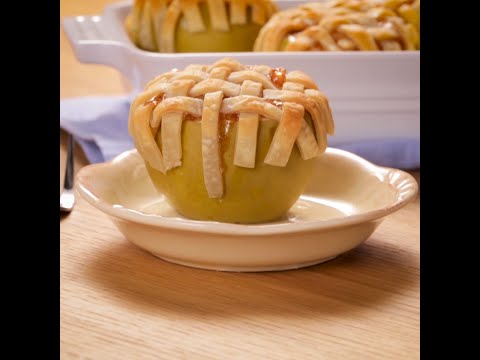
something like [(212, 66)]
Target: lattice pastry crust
[(250, 94), (344, 25), (144, 22), (152, 23)]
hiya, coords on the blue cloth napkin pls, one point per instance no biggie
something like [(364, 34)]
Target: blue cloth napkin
[(100, 126)]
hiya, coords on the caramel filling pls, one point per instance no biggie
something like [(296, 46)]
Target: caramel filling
[(278, 76)]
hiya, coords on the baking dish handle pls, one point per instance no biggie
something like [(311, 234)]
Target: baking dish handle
[(92, 43)]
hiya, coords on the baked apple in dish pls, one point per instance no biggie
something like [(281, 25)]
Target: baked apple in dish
[(230, 142), (344, 25), (180, 26)]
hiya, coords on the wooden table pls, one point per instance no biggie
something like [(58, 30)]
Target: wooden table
[(119, 302)]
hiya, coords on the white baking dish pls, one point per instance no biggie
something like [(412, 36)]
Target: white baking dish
[(373, 95)]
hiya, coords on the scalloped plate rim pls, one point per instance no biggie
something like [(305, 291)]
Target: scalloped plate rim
[(121, 212)]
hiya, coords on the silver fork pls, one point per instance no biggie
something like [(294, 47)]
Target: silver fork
[(67, 197)]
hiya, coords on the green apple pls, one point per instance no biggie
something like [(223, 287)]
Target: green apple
[(256, 195), (238, 38)]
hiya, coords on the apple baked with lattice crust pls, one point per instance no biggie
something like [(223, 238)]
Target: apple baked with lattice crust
[(231, 142), (170, 26), (344, 25)]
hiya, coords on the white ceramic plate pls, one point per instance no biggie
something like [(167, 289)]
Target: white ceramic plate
[(345, 202), (373, 94)]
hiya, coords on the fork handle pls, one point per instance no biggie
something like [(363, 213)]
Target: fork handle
[(69, 172)]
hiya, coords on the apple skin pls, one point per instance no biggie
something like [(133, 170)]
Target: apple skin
[(264, 193), (239, 38)]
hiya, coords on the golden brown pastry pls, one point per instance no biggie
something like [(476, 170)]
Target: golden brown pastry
[(143, 23), (197, 25), (231, 142), (344, 25)]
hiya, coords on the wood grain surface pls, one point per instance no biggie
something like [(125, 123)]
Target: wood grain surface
[(119, 302)]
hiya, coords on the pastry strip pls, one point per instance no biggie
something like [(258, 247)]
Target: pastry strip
[(238, 12), (144, 140), (212, 170), (247, 128), (239, 77), (177, 104), (211, 85), (172, 126), (285, 135)]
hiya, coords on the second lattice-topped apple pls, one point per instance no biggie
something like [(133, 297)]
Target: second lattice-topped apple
[(197, 25)]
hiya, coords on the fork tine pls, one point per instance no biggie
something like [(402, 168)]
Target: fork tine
[(67, 197)]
